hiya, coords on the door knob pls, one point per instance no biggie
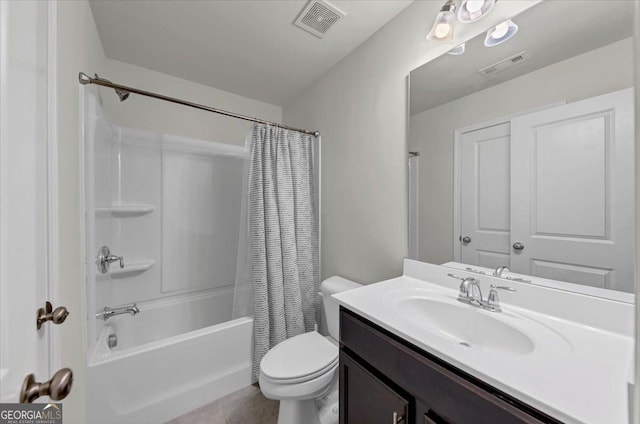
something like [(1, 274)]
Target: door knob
[(57, 388), (47, 313), (466, 239), (518, 246)]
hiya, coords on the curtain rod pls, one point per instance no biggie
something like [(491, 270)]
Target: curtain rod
[(86, 79)]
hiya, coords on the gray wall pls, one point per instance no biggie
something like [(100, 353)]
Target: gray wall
[(360, 107)]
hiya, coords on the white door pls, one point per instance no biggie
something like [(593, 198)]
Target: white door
[(484, 196), (24, 236), (572, 194)]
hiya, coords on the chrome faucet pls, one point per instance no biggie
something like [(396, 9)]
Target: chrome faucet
[(469, 291), (105, 258), (108, 312), (471, 294), (500, 270)]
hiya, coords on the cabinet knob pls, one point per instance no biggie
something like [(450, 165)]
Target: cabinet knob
[(397, 418)]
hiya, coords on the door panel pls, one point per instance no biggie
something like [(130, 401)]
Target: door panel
[(23, 194), (572, 192), (484, 196)]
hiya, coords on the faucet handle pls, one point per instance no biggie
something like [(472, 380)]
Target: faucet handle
[(493, 300), (494, 287)]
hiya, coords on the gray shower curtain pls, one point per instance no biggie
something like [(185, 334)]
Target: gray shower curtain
[(283, 233)]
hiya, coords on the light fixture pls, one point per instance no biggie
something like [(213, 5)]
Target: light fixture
[(457, 51), (442, 29), (473, 10), (500, 33)]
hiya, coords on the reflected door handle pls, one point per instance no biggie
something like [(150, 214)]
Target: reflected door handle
[(518, 246), (466, 239), (57, 388)]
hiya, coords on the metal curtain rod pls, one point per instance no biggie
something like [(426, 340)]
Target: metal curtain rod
[(86, 79)]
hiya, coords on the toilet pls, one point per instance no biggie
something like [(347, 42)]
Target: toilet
[(302, 372)]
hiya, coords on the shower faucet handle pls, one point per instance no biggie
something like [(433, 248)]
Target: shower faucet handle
[(104, 258)]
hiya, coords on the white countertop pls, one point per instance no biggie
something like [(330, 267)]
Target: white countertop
[(577, 373)]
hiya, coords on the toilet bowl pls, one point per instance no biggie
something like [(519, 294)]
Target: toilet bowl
[(303, 369)]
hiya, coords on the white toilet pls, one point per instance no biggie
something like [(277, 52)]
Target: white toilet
[(303, 369)]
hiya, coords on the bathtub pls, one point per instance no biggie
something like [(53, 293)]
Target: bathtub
[(171, 358)]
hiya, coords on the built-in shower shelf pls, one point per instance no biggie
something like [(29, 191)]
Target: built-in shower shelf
[(133, 267), (125, 210)]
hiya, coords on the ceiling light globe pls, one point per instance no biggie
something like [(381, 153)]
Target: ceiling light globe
[(501, 30), (442, 30), (474, 10), (500, 33), (443, 27), (474, 6)]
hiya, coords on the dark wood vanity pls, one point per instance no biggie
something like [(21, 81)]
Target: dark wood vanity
[(384, 379)]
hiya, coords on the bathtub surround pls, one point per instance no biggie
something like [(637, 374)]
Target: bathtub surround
[(77, 46), (171, 206), (283, 232)]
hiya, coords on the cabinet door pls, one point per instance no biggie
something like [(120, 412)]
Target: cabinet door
[(364, 399)]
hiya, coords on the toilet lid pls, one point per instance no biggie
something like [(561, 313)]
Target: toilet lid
[(300, 356)]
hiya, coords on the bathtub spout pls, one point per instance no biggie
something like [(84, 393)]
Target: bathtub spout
[(108, 312)]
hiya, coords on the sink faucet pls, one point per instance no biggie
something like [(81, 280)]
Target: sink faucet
[(500, 270), (108, 312), (470, 293)]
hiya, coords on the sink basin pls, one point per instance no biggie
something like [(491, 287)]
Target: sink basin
[(466, 325)]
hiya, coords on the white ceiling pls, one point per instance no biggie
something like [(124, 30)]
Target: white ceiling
[(550, 31), (249, 48)]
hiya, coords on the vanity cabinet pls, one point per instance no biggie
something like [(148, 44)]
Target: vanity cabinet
[(382, 375)]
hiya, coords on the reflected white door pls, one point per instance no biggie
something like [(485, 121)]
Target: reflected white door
[(572, 192), (484, 196), (23, 194)]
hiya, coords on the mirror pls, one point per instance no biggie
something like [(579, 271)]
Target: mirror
[(523, 152)]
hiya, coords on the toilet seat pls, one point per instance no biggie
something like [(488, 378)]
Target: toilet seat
[(300, 358)]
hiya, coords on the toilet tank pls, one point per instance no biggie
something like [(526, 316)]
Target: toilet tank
[(329, 287)]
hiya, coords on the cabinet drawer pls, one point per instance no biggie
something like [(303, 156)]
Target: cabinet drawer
[(444, 392)]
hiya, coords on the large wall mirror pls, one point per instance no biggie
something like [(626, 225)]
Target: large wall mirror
[(526, 151)]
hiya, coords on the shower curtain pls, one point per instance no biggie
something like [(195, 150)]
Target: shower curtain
[(283, 236)]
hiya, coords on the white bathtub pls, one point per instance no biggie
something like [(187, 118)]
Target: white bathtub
[(173, 357)]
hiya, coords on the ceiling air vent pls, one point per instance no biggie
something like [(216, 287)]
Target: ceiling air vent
[(504, 64), (318, 16)]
